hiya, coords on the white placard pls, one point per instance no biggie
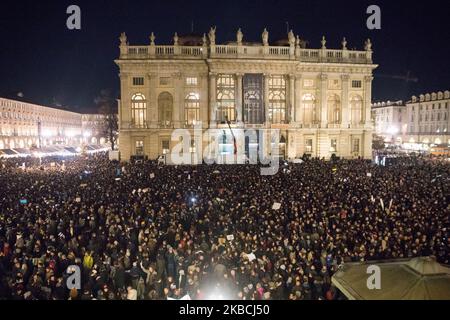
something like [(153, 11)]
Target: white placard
[(369, 174), (251, 257), (78, 199), (230, 237), (276, 206), (152, 175)]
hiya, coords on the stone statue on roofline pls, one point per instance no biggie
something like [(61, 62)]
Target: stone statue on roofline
[(152, 39), (291, 38), (204, 40), (212, 35), (344, 44), (324, 42), (265, 37), (123, 39), (175, 39), (368, 45), (239, 36)]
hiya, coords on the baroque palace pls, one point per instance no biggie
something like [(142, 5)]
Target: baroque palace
[(319, 100)]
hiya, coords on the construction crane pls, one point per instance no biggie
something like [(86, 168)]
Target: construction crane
[(407, 78)]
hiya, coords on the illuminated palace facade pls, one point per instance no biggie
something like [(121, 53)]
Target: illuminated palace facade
[(26, 125), (318, 99)]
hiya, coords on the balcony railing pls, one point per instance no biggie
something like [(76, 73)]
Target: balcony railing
[(239, 51)]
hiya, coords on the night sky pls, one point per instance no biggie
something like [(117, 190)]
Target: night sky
[(52, 65)]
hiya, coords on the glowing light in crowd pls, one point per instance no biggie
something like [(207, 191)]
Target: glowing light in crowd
[(86, 134), (47, 133), (392, 130), (70, 134)]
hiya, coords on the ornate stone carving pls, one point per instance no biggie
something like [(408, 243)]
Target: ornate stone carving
[(239, 36), (265, 37), (345, 77), (177, 75), (212, 35), (323, 77)]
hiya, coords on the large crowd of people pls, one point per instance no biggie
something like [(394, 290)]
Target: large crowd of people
[(143, 231)]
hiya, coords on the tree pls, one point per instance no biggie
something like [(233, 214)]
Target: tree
[(107, 107), (377, 142)]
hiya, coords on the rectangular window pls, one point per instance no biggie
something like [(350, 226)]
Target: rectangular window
[(226, 98), (191, 81), (308, 145), (139, 147), (308, 83), (138, 81), (333, 145), (165, 146), (192, 148), (192, 109), (356, 83), (277, 99), (355, 145)]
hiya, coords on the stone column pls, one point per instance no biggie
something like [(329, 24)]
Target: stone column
[(151, 105), (125, 114), (367, 100), (291, 114), (344, 106), (266, 98), (178, 108), (212, 99), (323, 100), (239, 117), (298, 114), (203, 117)]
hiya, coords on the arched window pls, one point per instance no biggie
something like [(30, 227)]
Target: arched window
[(334, 109), (309, 108), (277, 99), (226, 109), (138, 110), (165, 108), (356, 109), (192, 108)]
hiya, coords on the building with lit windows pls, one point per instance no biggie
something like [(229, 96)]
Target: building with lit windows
[(417, 123), (427, 118), (319, 100), (27, 125), (389, 118), (92, 128)]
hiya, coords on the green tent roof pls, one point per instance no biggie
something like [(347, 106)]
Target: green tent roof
[(406, 279)]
